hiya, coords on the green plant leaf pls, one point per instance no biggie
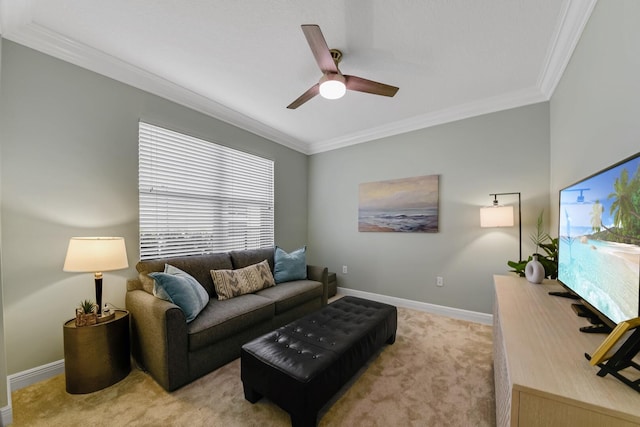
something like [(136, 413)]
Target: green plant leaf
[(87, 306), (540, 236), (547, 245)]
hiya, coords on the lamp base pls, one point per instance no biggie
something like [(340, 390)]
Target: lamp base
[(98, 280)]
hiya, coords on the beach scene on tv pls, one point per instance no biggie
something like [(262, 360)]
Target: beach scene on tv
[(599, 240)]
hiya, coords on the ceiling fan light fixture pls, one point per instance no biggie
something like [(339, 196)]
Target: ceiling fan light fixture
[(332, 86)]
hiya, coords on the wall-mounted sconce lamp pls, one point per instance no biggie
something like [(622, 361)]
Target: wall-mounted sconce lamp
[(498, 215)]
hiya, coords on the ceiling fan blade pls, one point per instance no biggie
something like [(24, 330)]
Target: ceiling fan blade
[(369, 86), (319, 48), (310, 93)]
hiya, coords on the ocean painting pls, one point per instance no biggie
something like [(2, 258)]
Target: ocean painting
[(405, 205)]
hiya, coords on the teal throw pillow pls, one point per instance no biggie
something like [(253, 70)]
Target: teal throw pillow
[(292, 266), (181, 289)]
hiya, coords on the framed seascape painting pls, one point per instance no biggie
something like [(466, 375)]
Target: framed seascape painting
[(406, 205)]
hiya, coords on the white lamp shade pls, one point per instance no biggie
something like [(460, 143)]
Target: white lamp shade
[(496, 216), (95, 254)]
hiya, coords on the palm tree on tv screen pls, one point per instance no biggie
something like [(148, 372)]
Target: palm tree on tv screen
[(596, 216), (626, 204)]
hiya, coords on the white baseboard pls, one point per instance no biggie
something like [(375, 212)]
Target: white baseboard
[(6, 416), (35, 375), (456, 313), (24, 379), (6, 413)]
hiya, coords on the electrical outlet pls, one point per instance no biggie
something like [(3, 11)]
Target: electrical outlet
[(439, 281), (344, 269)]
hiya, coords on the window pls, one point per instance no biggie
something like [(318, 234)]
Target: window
[(197, 197)]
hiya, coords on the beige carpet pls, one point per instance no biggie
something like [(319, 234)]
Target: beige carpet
[(438, 373)]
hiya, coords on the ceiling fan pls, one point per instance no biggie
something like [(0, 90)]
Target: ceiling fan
[(333, 84)]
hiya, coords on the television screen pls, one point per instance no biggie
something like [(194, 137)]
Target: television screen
[(599, 240)]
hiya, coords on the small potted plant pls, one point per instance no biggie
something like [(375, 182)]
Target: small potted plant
[(86, 313)]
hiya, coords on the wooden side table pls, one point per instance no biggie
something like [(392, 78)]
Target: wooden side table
[(96, 356)]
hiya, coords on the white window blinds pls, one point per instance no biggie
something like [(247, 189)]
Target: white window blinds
[(197, 197)]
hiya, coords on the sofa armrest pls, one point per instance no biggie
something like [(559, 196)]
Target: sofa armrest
[(320, 274), (159, 338), (133, 284)]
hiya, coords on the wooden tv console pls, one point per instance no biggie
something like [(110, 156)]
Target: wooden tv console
[(541, 375)]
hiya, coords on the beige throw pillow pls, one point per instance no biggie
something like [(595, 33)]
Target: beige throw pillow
[(232, 283)]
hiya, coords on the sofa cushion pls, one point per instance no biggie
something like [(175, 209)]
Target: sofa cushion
[(182, 290), (290, 266), (291, 294), (198, 266), (232, 283), (245, 258), (221, 319)]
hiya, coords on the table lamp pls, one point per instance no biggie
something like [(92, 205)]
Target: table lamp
[(96, 254)]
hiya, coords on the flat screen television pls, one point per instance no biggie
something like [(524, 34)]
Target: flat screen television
[(599, 241)]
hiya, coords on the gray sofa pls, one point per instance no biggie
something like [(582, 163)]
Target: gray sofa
[(175, 352)]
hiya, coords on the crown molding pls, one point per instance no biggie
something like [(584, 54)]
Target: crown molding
[(574, 19), (18, 26), (54, 44), (458, 112)]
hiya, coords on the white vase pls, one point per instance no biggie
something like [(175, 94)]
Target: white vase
[(534, 271)]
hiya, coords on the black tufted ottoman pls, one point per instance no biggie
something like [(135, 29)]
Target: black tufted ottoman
[(301, 366)]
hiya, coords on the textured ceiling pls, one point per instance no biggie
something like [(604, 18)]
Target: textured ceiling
[(245, 61)]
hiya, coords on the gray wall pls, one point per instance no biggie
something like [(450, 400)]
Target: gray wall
[(501, 152), (69, 168), (595, 110)]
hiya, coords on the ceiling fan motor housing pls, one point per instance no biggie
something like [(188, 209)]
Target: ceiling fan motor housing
[(336, 55)]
